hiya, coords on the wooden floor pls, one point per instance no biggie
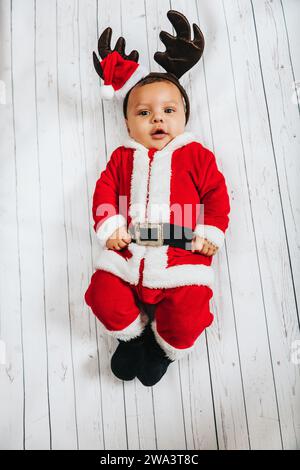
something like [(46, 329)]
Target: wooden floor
[(240, 388)]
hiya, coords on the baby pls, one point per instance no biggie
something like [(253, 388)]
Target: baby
[(151, 106), (160, 209)]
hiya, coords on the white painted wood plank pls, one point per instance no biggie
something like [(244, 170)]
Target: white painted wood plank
[(197, 397), (260, 393), (267, 224), (61, 384), (140, 419), (88, 412), (113, 398), (11, 371), (112, 423), (222, 127), (291, 14), (285, 139), (168, 411), (93, 138), (36, 413), (114, 417)]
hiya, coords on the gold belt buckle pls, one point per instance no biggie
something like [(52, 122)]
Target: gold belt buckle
[(148, 225)]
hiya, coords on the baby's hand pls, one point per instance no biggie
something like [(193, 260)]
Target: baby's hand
[(119, 239), (203, 246)]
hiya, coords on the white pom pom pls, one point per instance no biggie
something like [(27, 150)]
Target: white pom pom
[(107, 92)]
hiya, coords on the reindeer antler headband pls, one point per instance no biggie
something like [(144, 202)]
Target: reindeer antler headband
[(122, 72)]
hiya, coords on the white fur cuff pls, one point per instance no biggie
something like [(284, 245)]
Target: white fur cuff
[(133, 330), (212, 233), (172, 353), (109, 226)]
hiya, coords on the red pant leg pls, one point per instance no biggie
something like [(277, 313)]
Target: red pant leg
[(113, 302), (181, 317)]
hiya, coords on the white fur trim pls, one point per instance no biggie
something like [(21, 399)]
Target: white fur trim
[(138, 190), (128, 270), (109, 226), (133, 330), (139, 73), (172, 353), (178, 141), (212, 233), (158, 209), (157, 275)]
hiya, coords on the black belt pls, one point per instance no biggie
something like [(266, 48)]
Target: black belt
[(152, 234)]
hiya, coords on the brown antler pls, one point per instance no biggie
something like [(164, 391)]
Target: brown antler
[(104, 48), (181, 53)]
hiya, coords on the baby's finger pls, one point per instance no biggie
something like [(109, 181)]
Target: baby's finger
[(212, 245), (204, 250), (122, 244), (113, 246), (211, 251)]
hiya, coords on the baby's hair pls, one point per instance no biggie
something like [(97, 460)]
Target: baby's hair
[(152, 79)]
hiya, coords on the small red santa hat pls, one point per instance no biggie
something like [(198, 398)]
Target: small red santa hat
[(119, 72)]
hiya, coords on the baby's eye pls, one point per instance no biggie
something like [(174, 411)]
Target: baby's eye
[(169, 110), (141, 113)]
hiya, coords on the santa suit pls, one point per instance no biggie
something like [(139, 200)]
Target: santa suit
[(169, 186)]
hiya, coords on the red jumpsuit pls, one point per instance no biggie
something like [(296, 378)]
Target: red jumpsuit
[(180, 184)]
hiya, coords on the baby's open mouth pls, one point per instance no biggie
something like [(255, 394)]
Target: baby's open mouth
[(159, 133)]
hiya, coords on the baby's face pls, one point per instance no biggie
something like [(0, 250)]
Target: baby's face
[(157, 105)]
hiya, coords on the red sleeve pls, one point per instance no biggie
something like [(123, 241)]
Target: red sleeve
[(106, 199), (214, 213)]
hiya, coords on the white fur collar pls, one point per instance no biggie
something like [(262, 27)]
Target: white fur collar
[(177, 142)]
